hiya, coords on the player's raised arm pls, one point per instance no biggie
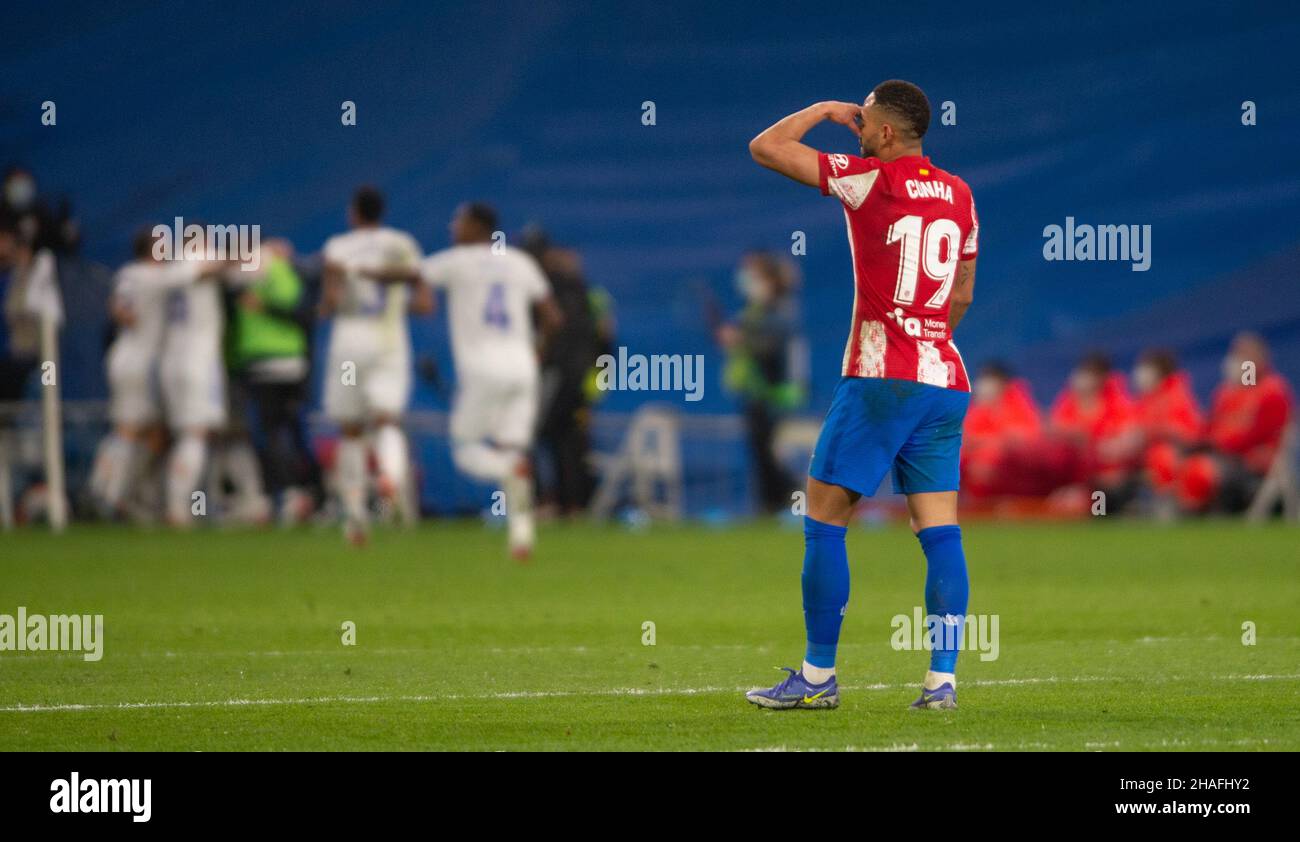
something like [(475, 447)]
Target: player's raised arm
[(780, 147), (392, 274)]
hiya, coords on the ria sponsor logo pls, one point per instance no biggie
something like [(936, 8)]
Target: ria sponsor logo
[(93, 795)]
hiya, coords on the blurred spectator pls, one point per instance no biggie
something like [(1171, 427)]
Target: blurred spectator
[(1248, 417), (1169, 417), (268, 355), (567, 361), (1094, 422), (29, 290), (762, 345), (22, 207), (1002, 439)]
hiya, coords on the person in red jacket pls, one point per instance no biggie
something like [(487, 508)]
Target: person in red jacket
[(1094, 421), (1169, 418), (1248, 418), (1002, 437)]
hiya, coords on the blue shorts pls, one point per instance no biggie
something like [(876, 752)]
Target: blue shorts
[(878, 425)]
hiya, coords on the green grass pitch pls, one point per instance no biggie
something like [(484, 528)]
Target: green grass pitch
[(1113, 635)]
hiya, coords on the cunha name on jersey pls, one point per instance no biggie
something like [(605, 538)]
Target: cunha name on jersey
[(928, 190)]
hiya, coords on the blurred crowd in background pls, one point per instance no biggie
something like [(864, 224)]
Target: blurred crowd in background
[(1141, 438)]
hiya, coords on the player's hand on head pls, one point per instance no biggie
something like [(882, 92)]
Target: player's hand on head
[(844, 113)]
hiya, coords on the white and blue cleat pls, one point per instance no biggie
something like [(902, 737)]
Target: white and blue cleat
[(796, 692), (943, 697)]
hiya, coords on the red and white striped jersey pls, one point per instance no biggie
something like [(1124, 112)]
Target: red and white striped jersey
[(910, 223)]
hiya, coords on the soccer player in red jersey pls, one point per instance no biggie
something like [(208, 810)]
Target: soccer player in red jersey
[(899, 405), (1003, 437), (1094, 421), (1169, 417), (1248, 419)]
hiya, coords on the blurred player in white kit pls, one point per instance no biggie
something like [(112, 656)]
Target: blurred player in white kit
[(169, 318), (192, 374), (493, 293), (368, 376)]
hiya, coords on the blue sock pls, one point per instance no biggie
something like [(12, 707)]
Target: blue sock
[(825, 589), (947, 590)]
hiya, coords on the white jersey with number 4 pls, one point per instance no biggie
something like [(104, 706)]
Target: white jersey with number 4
[(490, 298)]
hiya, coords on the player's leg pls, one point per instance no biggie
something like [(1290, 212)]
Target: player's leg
[(345, 405), (473, 412), (513, 431), (133, 406), (927, 471), (392, 458), (185, 473), (825, 586), (387, 389), (825, 578), (194, 396), (852, 456), (238, 461), (350, 476)]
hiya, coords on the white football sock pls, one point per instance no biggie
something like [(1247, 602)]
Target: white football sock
[(246, 476), (817, 675), (484, 463), (518, 487), (351, 477), (103, 465), (131, 458), (392, 456), (184, 475), (111, 465), (935, 680)]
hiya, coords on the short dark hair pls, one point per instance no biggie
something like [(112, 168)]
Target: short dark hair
[(142, 242), (482, 213), (1098, 362), (1161, 359), (906, 101), (783, 273), (368, 203), (997, 369)]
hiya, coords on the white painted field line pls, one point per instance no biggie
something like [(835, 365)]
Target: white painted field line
[(548, 694), (1021, 746)]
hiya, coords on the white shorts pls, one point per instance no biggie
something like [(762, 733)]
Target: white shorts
[(193, 389), (132, 386), (363, 382), (500, 411)]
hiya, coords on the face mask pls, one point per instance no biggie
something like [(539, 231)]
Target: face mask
[(1145, 378), (987, 389), (751, 287), (1082, 381), (20, 192)]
